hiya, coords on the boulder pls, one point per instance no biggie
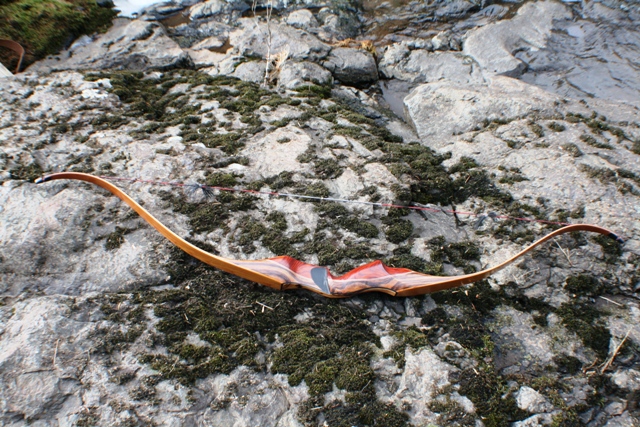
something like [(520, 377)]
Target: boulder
[(422, 66), (211, 8), (128, 45), (302, 18), (431, 107), (296, 74), (352, 67), (252, 71), (252, 40), (493, 46)]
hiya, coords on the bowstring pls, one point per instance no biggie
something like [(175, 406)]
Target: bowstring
[(209, 193)]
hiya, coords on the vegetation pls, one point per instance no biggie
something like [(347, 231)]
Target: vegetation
[(43, 27)]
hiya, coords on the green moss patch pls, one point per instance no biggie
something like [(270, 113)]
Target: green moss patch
[(43, 27), (236, 321)]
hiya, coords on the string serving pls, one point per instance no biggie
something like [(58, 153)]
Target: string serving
[(209, 192)]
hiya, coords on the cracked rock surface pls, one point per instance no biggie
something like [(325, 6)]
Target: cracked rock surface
[(103, 322)]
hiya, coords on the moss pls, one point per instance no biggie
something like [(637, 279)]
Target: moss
[(556, 127), (220, 179), (611, 249), (30, 172), (635, 148), (43, 27), (403, 258), (568, 364), (536, 129), (489, 394), (109, 121), (572, 149), (397, 230), (458, 254), (567, 418), (588, 139), (584, 285), (584, 320), (411, 338), (315, 189), (116, 239), (333, 214), (314, 91), (327, 169)]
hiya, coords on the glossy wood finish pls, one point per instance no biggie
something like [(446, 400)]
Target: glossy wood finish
[(284, 272)]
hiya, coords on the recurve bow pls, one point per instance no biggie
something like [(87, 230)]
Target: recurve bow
[(284, 273)]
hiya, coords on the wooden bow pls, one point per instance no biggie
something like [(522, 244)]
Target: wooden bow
[(284, 273)]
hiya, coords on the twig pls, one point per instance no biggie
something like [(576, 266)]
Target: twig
[(565, 253), (266, 71), (612, 301), (264, 306), (615, 353), (55, 352)]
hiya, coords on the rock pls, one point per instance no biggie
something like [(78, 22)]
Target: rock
[(215, 7), (296, 74), (302, 19), (339, 23), (128, 45), (252, 71), (493, 46), (535, 421), (424, 374), (422, 66), (251, 40), (210, 43), (277, 152), (531, 401), (628, 379), (579, 59), (352, 67), (429, 107), (445, 41)]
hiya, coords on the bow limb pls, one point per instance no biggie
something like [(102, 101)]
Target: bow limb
[(213, 260), (284, 272)]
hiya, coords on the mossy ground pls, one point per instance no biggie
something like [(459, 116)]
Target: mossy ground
[(240, 321), (44, 27)]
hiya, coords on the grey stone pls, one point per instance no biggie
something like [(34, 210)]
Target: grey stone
[(530, 400), (493, 46), (252, 71), (252, 40), (215, 7), (129, 45), (429, 107), (352, 67), (422, 66), (296, 74), (302, 19)]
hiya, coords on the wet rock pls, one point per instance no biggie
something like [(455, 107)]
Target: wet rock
[(128, 45), (352, 67), (296, 74), (493, 46)]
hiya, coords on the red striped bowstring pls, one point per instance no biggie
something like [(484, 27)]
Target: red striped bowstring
[(330, 199)]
